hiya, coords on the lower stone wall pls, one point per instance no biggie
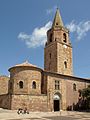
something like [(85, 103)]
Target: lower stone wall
[(33, 103), (5, 101)]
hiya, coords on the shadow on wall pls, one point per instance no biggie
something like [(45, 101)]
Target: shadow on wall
[(83, 104), (80, 106)]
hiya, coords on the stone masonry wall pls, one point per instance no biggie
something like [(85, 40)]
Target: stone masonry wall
[(5, 101), (64, 54), (68, 97), (33, 103), (50, 57), (4, 84), (51, 91), (27, 75), (72, 96)]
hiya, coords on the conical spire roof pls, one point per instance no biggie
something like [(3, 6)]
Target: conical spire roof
[(57, 20)]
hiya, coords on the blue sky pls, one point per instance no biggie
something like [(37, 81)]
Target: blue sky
[(23, 26)]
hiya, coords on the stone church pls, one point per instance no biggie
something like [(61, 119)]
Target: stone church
[(53, 89)]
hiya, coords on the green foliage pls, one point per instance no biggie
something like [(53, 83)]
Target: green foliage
[(86, 96), (86, 93)]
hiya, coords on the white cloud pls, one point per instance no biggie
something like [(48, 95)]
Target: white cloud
[(37, 38), (51, 10), (80, 29)]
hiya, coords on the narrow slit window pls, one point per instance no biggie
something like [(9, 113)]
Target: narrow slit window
[(50, 37), (74, 87), (10, 85), (50, 55)]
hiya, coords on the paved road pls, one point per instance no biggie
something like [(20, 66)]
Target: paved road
[(69, 118), (12, 115)]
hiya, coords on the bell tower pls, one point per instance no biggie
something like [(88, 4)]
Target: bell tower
[(58, 49)]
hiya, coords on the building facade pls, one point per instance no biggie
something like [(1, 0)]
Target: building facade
[(53, 89)]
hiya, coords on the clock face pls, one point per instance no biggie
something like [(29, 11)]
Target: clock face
[(64, 46)]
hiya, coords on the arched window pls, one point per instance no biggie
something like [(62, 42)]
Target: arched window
[(20, 84), (64, 37), (65, 64), (74, 87), (34, 85)]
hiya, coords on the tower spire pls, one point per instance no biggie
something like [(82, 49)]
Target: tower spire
[(57, 20)]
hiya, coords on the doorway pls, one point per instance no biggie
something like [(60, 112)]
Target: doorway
[(57, 101), (56, 105)]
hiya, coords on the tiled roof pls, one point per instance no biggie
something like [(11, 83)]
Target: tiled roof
[(26, 63)]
